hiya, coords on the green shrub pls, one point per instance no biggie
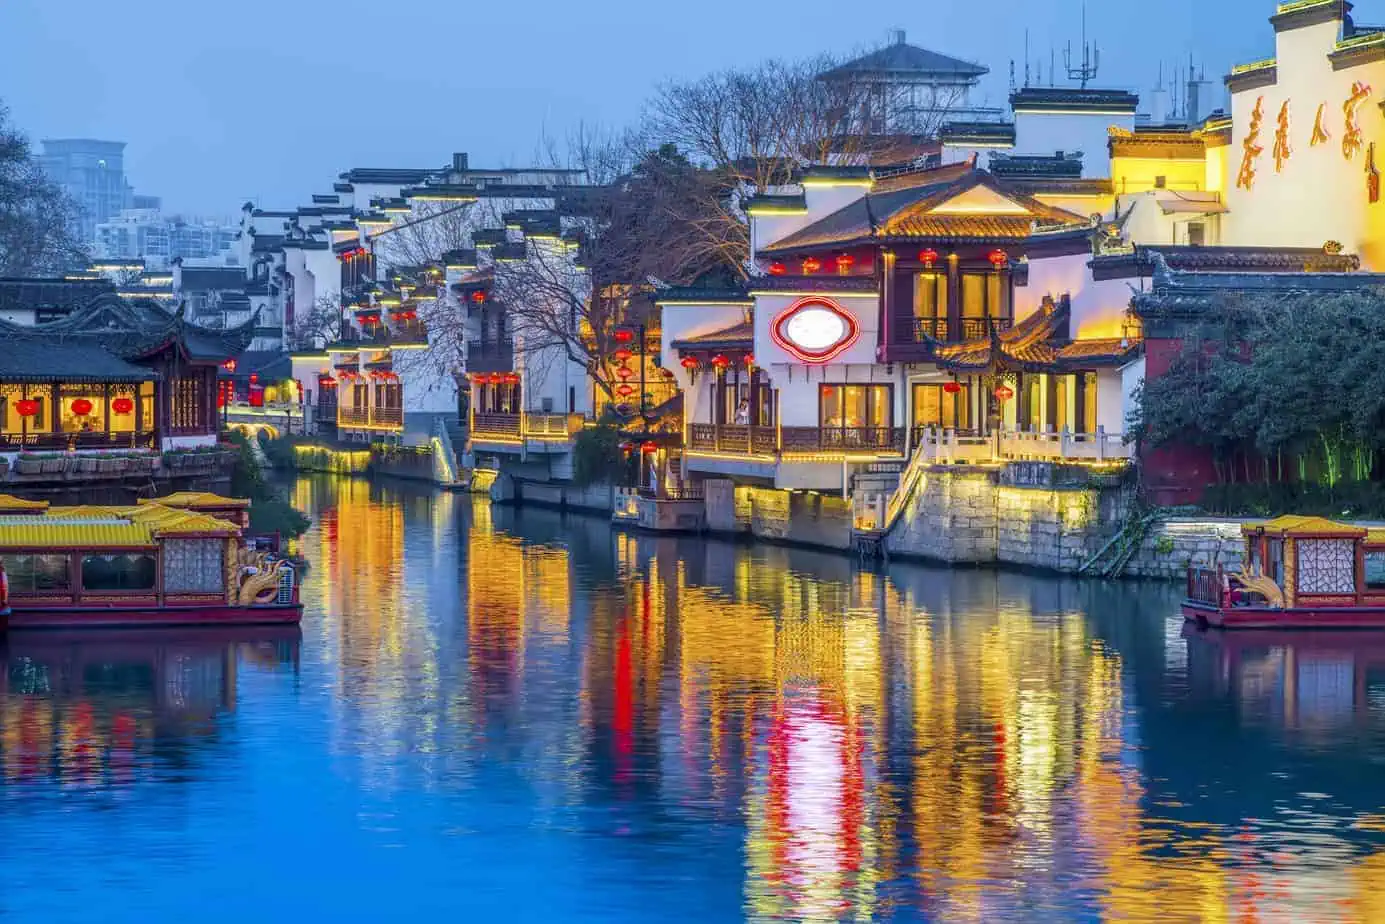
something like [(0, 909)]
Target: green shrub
[(596, 455)]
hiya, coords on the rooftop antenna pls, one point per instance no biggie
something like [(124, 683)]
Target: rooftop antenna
[(1091, 56), (1012, 73), (1026, 57), (1052, 65)]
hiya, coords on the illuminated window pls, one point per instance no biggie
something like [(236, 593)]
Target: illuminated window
[(37, 574), (132, 571), (934, 407)]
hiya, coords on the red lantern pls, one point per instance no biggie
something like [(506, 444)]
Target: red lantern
[(621, 355), (1004, 392), (649, 448), (952, 388), (81, 407), (625, 372), (478, 296), (844, 263), (998, 258), (625, 391), (623, 336), (720, 361), (812, 265), (221, 399), (123, 405), (627, 447), (27, 407), (254, 377), (750, 360), (928, 256), (512, 378), (229, 365), (688, 362), (777, 269)]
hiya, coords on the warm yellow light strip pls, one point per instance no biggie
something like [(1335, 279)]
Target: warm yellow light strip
[(828, 183), (828, 294), (771, 210), (1252, 66)]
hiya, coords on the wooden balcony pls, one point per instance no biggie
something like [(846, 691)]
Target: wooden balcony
[(734, 438), (353, 416), (741, 439), (502, 426), (387, 416)]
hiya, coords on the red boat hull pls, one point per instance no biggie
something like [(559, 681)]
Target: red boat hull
[(1256, 617), (71, 617)]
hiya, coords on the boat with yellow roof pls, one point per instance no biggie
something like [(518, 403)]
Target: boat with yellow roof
[(177, 560), (1298, 572)]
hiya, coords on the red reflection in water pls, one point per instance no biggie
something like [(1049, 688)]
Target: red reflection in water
[(623, 721)]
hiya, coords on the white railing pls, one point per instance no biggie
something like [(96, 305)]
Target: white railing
[(1062, 446), (949, 446)]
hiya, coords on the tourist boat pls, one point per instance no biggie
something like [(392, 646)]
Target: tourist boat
[(178, 561), (1299, 573)]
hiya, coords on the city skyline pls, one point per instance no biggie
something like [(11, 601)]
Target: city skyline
[(185, 142)]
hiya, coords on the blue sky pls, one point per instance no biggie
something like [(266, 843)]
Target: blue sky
[(270, 99)]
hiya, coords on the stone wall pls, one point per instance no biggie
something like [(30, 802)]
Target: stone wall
[(1046, 518), (596, 498), (802, 518)]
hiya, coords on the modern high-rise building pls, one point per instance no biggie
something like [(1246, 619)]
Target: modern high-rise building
[(93, 173)]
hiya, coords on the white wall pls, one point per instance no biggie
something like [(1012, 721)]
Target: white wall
[(822, 200), (681, 322), (1320, 195), (1098, 308)]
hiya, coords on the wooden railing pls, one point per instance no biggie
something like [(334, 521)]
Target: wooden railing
[(842, 439), (353, 416), (62, 440), (1205, 585), (734, 438), (387, 416), (924, 329), (504, 425)]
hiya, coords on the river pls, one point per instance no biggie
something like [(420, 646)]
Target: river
[(499, 714)]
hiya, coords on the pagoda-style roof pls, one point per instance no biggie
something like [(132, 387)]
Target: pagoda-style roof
[(1039, 343), (902, 59), (9, 505), (98, 341), (1074, 99), (197, 500), (959, 202)]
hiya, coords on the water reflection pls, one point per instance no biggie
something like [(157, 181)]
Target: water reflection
[(713, 731), (101, 708)]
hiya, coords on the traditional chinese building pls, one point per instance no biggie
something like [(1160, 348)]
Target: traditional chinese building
[(943, 306), (113, 374)]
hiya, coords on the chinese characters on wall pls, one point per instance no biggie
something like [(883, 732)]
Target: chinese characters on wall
[(1353, 141)]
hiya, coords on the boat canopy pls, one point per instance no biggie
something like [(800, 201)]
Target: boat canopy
[(1304, 527)]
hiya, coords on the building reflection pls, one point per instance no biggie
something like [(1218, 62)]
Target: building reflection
[(97, 708)]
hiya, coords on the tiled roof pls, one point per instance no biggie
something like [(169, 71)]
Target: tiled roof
[(97, 532), (51, 294), (959, 133), (989, 227), (902, 58), (35, 360), (123, 329), (9, 504), (196, 499), (1141, 262), (739, 335), (700, 295), (1073, 99), (826, 282), (901, 207), (1301, 525), (1039, 343)]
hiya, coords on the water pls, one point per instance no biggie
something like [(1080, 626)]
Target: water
[(513, 715)]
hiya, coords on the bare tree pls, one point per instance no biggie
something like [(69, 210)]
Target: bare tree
[(37, 219), (430, 230), (318, 326), (754, 130)]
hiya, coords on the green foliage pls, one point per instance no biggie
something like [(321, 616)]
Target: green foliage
[(596, 455), (269, 513), (1296, 382)]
